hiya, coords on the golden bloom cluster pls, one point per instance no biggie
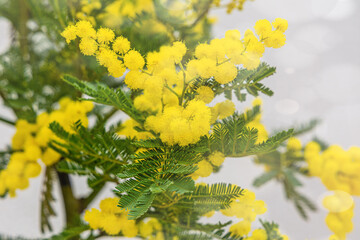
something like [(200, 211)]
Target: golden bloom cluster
[(181, 125), (119, 10), (30, 143), (339, 171), (245, 208), (231, 5), (260, 234), (205, 167), (88, 7), (151, 229), (97, 43), (341, 211), (111, 219), (164, 80)]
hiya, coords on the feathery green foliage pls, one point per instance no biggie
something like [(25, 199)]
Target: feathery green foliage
[(232, 137)]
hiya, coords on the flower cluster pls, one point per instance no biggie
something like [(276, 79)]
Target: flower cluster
[(30, 143), (272, 35), (179, 125), (261, 234), (231, 5), (97, 43), (119, 10), (164, 80), (114, 221), (151, 229), (111, 219), (205, 167), (341, 212), (88, 7), (246, 208), (339, 171)]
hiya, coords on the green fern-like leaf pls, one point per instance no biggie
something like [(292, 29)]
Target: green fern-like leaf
[(206, 198), (70, 233), (101, 93)]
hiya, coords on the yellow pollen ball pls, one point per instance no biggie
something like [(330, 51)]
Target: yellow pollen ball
[(241, 228), (205, 94), (225, 109), (69, 33), (233, 34), (225, 73), (121, 45), (116, 68), (294, 144), (93, 217), (106, 57), (216, 158), (109, 205), (133, 60), (105, 35), (263, 28), (32, 170), (205, 169), (280, 24), (111, 224), (85, 29), (259, 234), (88, 46)]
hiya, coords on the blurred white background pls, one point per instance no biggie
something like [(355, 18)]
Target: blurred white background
[(318, 76)]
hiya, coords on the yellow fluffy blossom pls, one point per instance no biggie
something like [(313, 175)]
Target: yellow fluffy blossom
[(69, 33), (85, 29), (336, 168), (133, 60), (105, 35), (272, 38), (183, 126), (31, 140), (149, 227), (263, 28), (294, 144), (121, 45), (106, 57), (339, 219), (225, 109), (233, 34), (245, 207), (204, 170), (88, 46), (257, 102), (205, 94), (280, 24), (339, 201), (225, 73), (258, 234), (241, 228), (111, 219), (128, 130), (216, 158), (165, 80)]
